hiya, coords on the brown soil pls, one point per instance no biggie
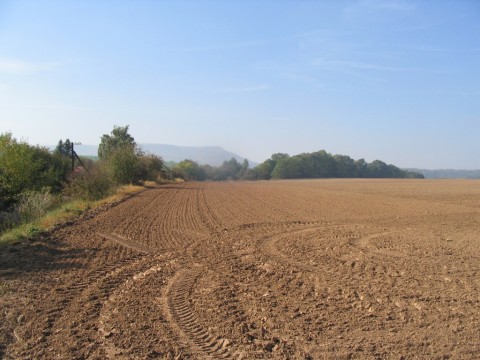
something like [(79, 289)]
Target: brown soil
[(256, 270)]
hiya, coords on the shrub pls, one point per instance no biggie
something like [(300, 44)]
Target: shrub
[(92, 184), (123, 164), (34, 204), (25, 167), (150, 167)]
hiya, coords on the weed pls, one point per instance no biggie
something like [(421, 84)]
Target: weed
[(34, 204)]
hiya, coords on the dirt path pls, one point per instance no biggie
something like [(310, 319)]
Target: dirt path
[(268, 270)]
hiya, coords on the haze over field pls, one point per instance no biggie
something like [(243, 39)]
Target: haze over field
[(395, 80)]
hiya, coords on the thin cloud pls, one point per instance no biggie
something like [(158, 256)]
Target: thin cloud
[(232, 46), (245, 89), (341, 64), (305, 79), (45, 107), (461, 93), (440, 50), (238, 45), (363, 7), (16, 66)]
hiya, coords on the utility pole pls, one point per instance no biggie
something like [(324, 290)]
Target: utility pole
[(74, 155)]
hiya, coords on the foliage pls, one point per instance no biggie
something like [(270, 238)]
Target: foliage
[(126, 162), (189, 170), (30, 176), (321, 164), (229, 170), (25, 167), (93, 184), (288, 167), (264, 170), (150, 167), (64, 148), (118, 139), (123, 164), (34, 204)]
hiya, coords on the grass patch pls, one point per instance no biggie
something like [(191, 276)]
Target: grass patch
[(65, 212), (20, 232), (121, 193)]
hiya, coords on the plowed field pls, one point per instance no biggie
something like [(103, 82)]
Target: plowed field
[(321, 269)]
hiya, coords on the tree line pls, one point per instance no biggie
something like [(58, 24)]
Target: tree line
[(320, 164)]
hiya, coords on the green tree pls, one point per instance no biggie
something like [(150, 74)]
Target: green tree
[(118, 139), (288, 168), (345, 166), (230, 169), (264, 170), (361, 168), (25, 167), (278, 156), (64, 148), (245, 165), (150, 167), (123, 163), (377, 169), (189, 170)]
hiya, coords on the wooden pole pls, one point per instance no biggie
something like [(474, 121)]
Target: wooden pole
[(73, 158)]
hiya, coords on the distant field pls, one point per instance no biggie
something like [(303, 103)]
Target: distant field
[(91, 157), (305, 269)]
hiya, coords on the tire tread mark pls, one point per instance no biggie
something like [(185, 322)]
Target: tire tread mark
[(183, 315)]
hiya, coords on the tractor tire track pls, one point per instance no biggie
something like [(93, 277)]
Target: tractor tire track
[(182, 314)]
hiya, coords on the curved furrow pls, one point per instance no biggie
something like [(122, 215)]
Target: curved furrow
[(182, 314), (117, 306), (368, 270), (88, 290)]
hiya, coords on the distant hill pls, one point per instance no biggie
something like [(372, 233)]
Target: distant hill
[(211, 155), (448, 173), (86, 150), (81, 150)]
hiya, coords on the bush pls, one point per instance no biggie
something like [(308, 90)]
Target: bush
[(123, 164), (34, 204), (150, 167), (92, 184), (25, 167)]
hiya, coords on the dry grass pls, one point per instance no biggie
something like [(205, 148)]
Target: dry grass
[(66, 212)]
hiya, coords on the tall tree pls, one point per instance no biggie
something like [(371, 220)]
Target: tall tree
[(64, 148), (118, 139)]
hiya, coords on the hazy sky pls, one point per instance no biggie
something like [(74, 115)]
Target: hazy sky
[(377, 79)]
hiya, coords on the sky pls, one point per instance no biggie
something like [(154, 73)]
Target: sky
[(395, 80)]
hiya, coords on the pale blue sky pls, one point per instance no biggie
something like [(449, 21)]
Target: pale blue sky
[(395, 80)]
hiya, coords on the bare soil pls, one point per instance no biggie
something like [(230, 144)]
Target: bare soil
[(318, 269)]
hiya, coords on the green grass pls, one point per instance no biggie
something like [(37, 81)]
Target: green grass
[(20, 232)]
